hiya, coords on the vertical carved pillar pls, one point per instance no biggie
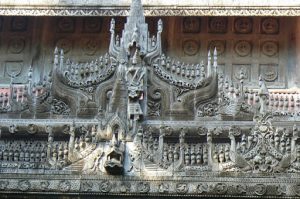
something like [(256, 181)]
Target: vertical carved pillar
[(161, 141), (72, 140), (209, 147), (50, 141)]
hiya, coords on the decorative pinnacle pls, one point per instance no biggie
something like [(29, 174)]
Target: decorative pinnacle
[(263, 88), (56, 50)]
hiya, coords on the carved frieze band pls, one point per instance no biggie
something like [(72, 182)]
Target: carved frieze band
[(108, 186), (150, 11)]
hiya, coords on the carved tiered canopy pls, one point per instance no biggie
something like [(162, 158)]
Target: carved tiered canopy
[(137, 122)]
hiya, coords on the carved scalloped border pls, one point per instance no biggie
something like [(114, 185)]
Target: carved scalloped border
[(149, 11)]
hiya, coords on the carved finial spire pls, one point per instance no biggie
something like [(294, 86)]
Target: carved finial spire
[(112, 25), (55, 62), (30, 73), (263, 94), (215, 59), (209, 71), (263, 90), (61, 59), (136, 13), (159, 26), (136, 59)]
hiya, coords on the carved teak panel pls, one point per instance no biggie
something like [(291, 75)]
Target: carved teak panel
[(138, 121)]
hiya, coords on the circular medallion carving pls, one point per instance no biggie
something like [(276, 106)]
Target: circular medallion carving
[(243, 48), (270, 26), (64, 44), (269, 72), (218, 25), (66, 24), (13, 69), (202, 188), (260, 189), (19, 23), (220, 188), (3, 185), (143, 187), (182, 188), (243, 25), (269, 48), (105, 186), (190, 47), (219, 45), (191, 24), (16, 45), (92, 25), (297, 189), (24, 185), (44, 185), (90, 47), (64, 186)]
